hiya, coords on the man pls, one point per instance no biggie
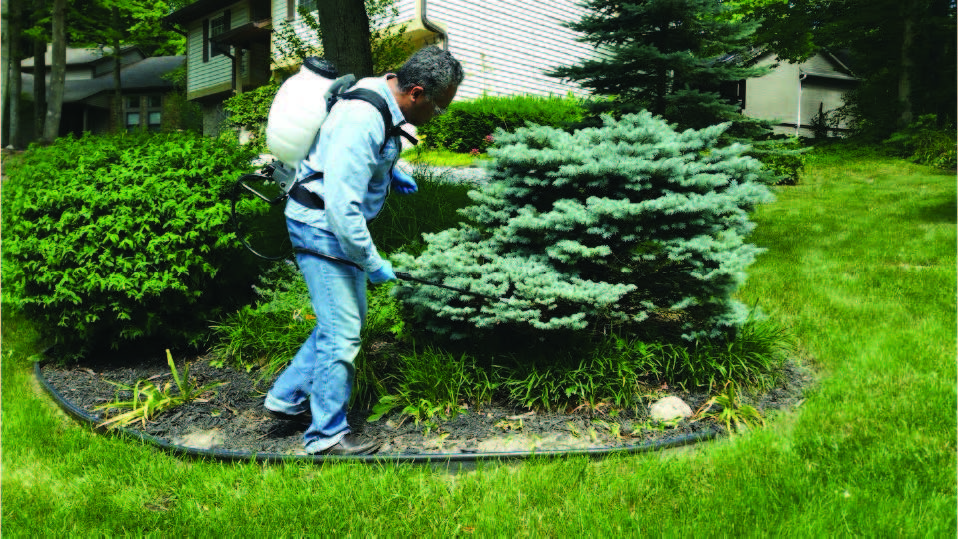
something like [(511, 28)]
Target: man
[(356, 161)]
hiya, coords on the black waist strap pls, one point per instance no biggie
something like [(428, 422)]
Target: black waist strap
[(304, 196)]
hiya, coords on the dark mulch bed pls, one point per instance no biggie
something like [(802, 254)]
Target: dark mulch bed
[(234, 419)]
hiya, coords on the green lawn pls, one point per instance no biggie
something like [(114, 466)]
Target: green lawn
[(861, 262)]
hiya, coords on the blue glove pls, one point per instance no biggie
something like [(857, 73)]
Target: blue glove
[(402, 182), (383, 274)]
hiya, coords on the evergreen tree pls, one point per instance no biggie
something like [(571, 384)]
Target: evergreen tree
[(629, 225), (670, 57)]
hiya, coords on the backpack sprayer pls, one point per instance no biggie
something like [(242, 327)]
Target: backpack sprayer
[(295, 117)]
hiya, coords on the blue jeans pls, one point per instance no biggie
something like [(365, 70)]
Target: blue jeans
[(320, 377)]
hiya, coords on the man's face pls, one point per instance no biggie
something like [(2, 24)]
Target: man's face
[(424, 109)]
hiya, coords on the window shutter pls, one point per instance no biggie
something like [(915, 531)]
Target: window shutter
[(206, 40)]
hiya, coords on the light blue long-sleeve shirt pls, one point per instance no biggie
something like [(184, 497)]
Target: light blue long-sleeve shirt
[(356, 173)]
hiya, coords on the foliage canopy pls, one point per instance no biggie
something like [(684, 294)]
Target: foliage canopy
[(631, 224), (113, 239)]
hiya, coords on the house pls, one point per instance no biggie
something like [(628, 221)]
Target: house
[(793, 94), (228, 51), (88, 100), (505, 46)]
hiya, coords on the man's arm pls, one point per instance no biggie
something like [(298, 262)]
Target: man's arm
[(352, 137)]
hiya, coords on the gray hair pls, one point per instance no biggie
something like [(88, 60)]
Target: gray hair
[(432, 68)]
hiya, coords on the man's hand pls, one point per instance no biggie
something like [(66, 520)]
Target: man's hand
[(383, 274), (402, 182)]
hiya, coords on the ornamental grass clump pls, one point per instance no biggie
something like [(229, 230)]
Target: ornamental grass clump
[(147, 400), (631, 225)]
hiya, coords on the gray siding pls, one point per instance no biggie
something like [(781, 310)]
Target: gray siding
[(217, 70), (779, 96)]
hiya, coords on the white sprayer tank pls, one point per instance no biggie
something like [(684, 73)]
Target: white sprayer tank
[(298, 111)]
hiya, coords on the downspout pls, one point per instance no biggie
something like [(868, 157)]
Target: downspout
[(432, 27), (234, 65), (798, 116)]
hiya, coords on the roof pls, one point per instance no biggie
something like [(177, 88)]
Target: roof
[(244, 34), (824, 64), (196, 10), (144, 74), (80, 56)]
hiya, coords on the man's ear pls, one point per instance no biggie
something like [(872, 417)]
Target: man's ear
[(416, 92)]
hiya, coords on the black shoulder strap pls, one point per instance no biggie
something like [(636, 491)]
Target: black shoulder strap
[(376, 100)]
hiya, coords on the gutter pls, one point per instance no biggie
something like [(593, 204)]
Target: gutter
[(431, 26)]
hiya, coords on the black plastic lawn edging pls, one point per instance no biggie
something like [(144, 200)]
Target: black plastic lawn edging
[(432, 458)]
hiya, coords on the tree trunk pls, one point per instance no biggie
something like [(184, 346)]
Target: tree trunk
[(907, 64), (345, 28), (13, 82), (5, 68), (58, 71), (117, 109), (39, 85)]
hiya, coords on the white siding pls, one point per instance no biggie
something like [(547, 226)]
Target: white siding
[(407, 10), (281, 18), (507, 46)]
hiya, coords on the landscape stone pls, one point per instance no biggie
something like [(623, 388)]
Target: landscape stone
[(670, 408)]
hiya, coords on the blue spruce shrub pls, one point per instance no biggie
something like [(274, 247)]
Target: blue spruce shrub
[(630, 225)]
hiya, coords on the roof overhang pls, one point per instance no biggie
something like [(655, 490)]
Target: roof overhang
[(245, 34), (197, 10)]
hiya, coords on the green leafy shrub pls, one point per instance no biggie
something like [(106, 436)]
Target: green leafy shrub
[(249, 110), (923, 142), (784, 158), (469, 125), (113, 239), (181, 114), (631, 224)]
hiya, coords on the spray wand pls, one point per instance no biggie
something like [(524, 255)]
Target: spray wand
[(399, 274)]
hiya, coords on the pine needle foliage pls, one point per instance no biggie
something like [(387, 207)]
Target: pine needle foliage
[(683, 60), (631, 225), (680, 59)]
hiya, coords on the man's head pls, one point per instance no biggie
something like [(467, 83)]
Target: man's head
[(426, 84)]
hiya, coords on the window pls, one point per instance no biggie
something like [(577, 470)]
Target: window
[(154, 123), (153, 112), (212, 28), (132, 121), (138, 109)]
